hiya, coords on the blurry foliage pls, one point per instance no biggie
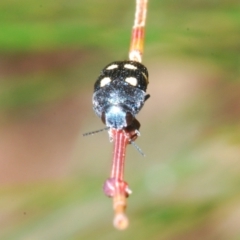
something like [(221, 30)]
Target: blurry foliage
[(207, 30), (198, 29), (188, 188)]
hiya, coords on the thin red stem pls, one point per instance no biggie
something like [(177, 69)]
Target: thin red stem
[(119, 153), (115, 186), (137, 40)]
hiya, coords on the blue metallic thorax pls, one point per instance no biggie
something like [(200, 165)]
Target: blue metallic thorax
[(115, 101)]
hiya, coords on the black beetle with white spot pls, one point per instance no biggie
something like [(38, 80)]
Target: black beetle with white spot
[(120, 93)]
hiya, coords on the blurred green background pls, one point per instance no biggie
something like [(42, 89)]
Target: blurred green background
[(187, 187)]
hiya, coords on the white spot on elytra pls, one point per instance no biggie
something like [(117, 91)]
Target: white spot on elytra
[(113, 66), (105, 81), (132, 81), (130, 66)]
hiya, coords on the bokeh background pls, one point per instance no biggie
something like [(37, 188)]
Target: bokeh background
[(51, 177)]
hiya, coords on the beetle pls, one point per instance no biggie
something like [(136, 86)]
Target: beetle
[(120, 93)]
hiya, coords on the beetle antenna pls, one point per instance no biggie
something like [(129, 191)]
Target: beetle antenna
[(97, 131), (138, 148)]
